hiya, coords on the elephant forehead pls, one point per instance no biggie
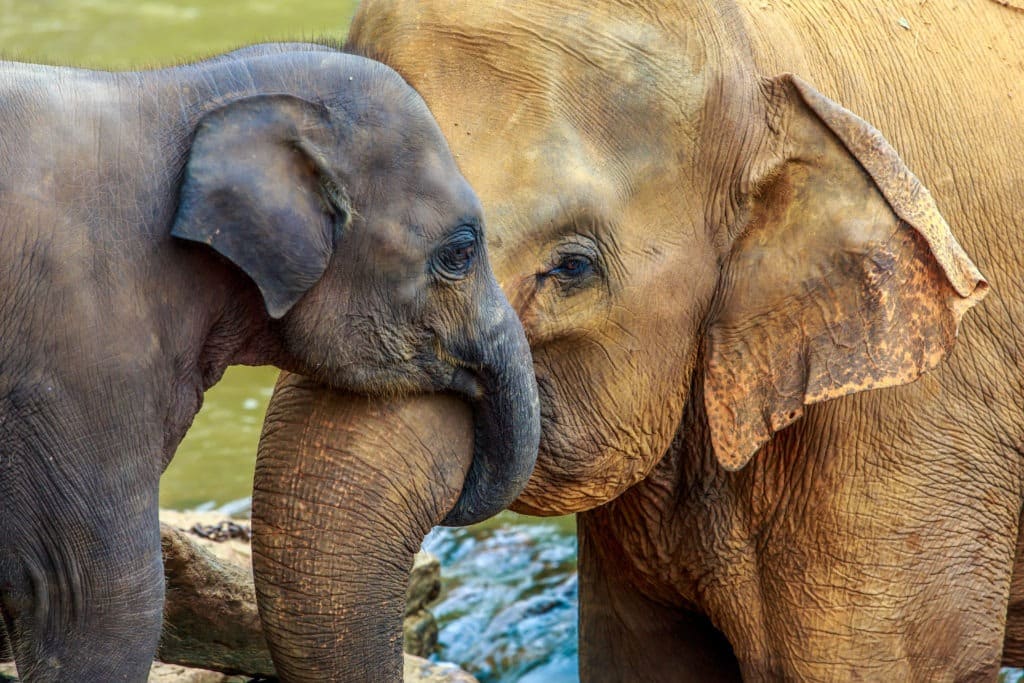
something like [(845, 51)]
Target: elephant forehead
[(504, 70)]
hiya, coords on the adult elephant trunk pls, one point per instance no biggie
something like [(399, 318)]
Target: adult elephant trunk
[(345, 489)]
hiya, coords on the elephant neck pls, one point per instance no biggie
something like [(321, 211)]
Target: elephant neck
[(210, 316), (680, 537), (691, 537), (652, 535)]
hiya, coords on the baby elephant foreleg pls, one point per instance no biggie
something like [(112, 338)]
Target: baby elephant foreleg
[(81, 578)]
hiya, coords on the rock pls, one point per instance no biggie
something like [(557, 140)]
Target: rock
[(424, 582), (210, 616), (172, 673), (419, 633), (419, 629), (419, 670), (159, 673), (234, 550), (416, 670), (210, 592), (5, 648)]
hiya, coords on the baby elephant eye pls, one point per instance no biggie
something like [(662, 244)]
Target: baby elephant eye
[(454, 258)]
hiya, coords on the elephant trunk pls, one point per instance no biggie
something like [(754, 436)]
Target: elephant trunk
[(345, 490), (506, 419)]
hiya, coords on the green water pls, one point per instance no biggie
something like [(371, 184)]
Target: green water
[(215, 462), (128, 34)]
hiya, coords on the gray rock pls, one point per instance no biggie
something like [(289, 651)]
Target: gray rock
[(418, 670), (424, 582)]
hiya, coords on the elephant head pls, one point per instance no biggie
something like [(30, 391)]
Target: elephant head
[(671, 226), (682, 238), (351, 217)]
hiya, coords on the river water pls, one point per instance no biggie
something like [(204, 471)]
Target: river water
[(508, 609)]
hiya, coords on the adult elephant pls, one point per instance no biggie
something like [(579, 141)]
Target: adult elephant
[(703, 249)]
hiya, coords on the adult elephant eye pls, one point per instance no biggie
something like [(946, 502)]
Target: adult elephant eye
[(454, 259), (573, 267)]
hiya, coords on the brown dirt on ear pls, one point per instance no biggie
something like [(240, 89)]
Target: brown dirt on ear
[(1012, 4)]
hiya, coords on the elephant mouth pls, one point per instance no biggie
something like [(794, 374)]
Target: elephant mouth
[(467, 384), (464, 377), (446, 356)]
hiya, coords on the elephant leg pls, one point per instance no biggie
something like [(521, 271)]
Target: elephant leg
[(6, 654), (865, 556), (625, 636), (81, 577)]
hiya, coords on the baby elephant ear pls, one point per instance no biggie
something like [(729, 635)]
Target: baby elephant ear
[(845, 278), (256, 190)]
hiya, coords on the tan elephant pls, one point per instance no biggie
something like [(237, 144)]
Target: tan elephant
[(703, 249)]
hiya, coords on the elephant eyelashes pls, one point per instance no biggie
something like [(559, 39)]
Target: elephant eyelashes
[(573, 266), (454, 259), (574, 269)]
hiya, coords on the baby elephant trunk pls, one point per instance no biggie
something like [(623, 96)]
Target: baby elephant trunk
[(346, 488), (506, 418)]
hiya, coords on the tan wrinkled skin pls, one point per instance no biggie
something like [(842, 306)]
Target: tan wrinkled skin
[(760, 250)]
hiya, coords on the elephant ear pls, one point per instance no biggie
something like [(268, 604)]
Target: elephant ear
[(257, 190), (844, 278)]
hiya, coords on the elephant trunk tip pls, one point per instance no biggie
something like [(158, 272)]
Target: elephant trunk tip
[(503, 460)]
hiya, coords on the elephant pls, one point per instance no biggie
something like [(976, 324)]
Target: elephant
[(284, 204), (714, 259)]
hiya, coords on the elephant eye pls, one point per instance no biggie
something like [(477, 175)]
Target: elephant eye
[(454, 258), (573, 266)]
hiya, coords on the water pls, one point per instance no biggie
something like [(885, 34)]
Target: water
[(215, 462), (125, 34), (507, 610)]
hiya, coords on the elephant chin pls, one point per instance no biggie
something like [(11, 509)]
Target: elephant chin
[(541, 499), (558, 488)]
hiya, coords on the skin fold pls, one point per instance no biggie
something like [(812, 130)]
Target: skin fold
[(713, 260), (284, 204)]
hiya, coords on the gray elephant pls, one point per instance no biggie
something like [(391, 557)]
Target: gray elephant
[(283, 204)]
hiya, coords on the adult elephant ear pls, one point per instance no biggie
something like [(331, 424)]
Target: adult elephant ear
[(845, 277), (258, 190)]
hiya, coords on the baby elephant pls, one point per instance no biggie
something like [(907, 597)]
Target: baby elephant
[(283, 204)]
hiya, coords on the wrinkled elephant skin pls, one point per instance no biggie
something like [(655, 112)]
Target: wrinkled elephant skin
[(383, 498), (714, 257)]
